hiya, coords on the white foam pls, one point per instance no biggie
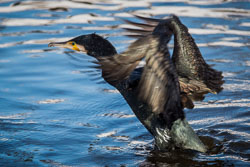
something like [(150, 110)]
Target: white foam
[(51, 101), (107, 134), (224, 103)]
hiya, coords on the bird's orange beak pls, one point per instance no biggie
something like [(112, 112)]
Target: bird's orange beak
[(68, 44)]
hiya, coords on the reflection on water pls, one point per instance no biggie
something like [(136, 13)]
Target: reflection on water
[(54, 114)]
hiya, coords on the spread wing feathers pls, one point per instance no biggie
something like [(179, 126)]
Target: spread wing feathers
[(147, 27), (148, 20), (143, 29), (190, 63), (141, 32), (159, 86), (196, 77), (152, 26), (120, 66)]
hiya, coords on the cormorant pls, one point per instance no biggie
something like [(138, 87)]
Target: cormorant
[(160, 90)]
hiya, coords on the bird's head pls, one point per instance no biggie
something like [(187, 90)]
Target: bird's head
[(91, 44)]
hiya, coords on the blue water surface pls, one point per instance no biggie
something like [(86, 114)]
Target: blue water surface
[(53, 112)]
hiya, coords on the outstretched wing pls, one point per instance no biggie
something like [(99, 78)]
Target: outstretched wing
[(143, 29), (118, 67), (152, 26), (158, 86), (196, 77), (190, 63)]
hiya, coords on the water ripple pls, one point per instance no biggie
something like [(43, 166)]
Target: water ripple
[(53, 114)]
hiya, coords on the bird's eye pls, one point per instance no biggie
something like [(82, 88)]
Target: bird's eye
[(73, 43)]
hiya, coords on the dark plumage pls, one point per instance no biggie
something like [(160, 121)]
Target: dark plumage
[(95, 45), (157, 92), (196, 77)]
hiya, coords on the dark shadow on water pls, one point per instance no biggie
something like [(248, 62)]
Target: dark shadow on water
[(182, 158), (191, 158), (2, 27)]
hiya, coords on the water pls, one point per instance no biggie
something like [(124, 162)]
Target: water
[(53, 112)]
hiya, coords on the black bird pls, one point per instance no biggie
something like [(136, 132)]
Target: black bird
[(160, 90), (196, 77)]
